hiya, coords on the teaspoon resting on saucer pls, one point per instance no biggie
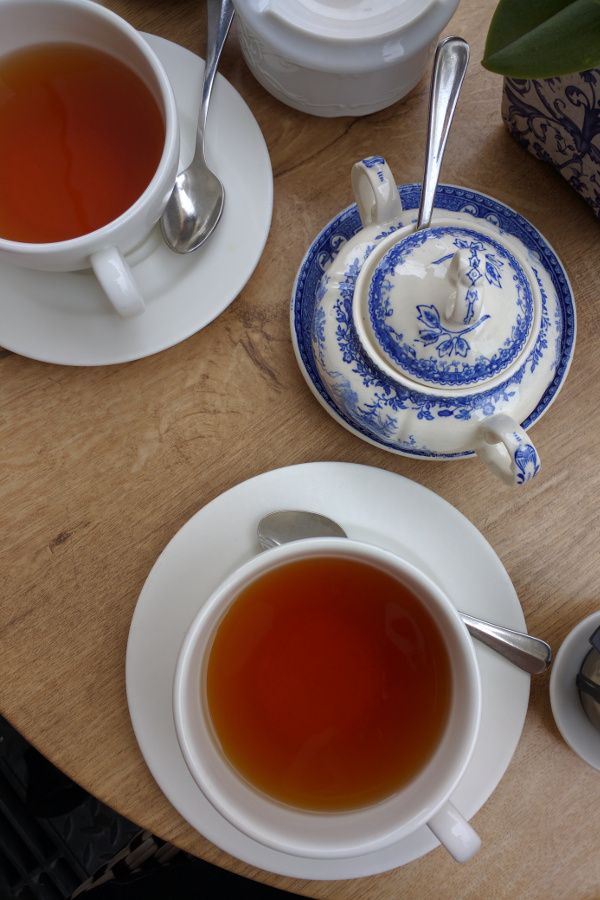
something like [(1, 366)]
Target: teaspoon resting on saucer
[(531, 654), (196, 204)]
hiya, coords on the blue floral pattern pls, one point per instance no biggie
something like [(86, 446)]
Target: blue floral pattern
[(326, 256), (378, 419), (558, 121), (454, 343), (446, 362), (526, 462), (492, 268), (379, 414)]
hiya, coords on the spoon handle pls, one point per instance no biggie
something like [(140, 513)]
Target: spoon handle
[(527, 652), (449, 68), (219, 16)]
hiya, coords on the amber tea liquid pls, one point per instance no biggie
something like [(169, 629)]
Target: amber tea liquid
[(81, 137), (328, 684)]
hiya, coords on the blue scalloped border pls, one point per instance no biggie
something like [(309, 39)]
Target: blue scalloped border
[(422, 369), (452, 199)]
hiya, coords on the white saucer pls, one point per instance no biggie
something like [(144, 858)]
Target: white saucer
[(372, 505), (569, 715), (65, 318)]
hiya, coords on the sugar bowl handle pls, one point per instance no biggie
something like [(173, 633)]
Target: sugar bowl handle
[(507, 449), (375, 191)]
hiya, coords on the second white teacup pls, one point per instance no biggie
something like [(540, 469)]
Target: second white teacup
[(281, 640), (27, 23)]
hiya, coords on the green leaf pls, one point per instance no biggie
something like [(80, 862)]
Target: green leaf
[(543, 38)]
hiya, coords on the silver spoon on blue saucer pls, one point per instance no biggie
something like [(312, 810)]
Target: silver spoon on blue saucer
[(529, 653), (195, 206)]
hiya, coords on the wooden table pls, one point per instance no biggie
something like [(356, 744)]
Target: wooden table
[(102, 466)]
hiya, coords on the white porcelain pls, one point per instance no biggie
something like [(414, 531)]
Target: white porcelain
[(65, 318), (26, 22), (438, 343), (571, 719), (427, 532), (345, 833), (340, 57)]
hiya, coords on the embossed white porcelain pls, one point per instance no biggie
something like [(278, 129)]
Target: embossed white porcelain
[(441, 342), (340, 57), (25, 22)]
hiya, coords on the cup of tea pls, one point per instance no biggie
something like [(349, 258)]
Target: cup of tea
[(327, 701), (89, 143)]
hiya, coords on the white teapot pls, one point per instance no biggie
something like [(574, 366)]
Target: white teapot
[(436, 343)]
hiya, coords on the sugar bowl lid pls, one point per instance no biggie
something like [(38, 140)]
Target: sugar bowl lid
[(448, 308)]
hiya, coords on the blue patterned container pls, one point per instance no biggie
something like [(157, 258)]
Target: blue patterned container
[(437, 344), (558, 121)]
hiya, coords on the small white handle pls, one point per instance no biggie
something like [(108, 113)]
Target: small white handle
[(117, 281), (454, 832), (507, 450), (375, 191), (465, 304)]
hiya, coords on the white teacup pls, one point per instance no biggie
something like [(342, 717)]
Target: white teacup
[(28, 22), (424, 800)]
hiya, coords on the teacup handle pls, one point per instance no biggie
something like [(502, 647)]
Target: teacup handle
[(507, 450), (117, 281), (375, 191), (454, 832)]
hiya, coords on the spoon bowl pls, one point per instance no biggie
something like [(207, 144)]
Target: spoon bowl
[(194, 209), (195, 206)]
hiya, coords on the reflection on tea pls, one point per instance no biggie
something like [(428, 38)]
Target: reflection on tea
[(328, 684), (81, 137)]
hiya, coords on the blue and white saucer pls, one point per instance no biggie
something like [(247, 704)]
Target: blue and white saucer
[(350, 363)]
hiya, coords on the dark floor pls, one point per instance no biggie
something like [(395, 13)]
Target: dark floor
[(58, 842)]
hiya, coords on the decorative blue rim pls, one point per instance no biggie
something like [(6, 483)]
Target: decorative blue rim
[(437, 371), (452, 199)]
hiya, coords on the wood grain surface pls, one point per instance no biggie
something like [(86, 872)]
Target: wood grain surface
[(102, 466)]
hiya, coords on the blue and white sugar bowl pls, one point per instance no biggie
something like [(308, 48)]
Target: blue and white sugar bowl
[(439, 343)]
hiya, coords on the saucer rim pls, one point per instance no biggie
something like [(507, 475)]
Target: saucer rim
[(320, 392), (335, 483), (577, 640)]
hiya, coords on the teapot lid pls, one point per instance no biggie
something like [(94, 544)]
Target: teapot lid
[(446, 308), (348, 19)]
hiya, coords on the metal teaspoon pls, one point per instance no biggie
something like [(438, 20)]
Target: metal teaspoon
[(449, 68), (529, 653), (195, 206)]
